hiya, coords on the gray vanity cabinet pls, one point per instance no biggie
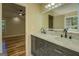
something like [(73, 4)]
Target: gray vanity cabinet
[(41, 47)]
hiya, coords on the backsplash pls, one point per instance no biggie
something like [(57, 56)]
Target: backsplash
[(74, 35), (58, 33)]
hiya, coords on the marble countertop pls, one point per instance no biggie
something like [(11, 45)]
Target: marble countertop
[(72, 44)]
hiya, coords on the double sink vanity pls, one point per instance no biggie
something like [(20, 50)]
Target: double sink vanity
[(56, 42), (53, 45)]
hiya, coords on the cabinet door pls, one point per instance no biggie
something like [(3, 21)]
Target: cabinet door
[(33, 44), (66, 51), (53, 50)]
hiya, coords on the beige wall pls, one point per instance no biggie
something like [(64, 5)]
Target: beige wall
[(14, 27), (33, 23), (45, 20), (58, 22), (0, 28), (34, 15)]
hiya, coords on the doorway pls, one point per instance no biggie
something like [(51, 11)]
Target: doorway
[(50, 21), (13, 29)]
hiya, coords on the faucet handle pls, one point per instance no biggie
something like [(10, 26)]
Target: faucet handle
[(70, 37), (66, 29), (61, 35)]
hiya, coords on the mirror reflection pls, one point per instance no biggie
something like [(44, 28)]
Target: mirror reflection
[(61, 16)]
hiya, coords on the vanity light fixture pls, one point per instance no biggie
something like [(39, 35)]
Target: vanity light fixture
[(46, 6), (56, 6), (49, 5), (52, 5)]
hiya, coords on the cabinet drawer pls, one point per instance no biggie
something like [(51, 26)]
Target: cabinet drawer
[(65, 51)]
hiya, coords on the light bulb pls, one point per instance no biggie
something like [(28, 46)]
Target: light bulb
[(46, 6), (52, 3), (49, 5), (56, 6)]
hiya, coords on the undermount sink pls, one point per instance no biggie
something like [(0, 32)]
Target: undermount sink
[(59, 39), (66, 40), (63, 38)]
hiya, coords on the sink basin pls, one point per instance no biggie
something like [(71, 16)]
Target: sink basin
[(58, 39)]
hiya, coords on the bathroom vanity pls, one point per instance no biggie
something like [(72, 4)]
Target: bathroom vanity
[(62, 17), (48, 45)]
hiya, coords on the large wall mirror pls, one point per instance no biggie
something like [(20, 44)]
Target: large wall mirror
[(65, 15)]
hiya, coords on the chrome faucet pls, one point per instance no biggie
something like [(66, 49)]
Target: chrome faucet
[(65, 32), (43, 30)]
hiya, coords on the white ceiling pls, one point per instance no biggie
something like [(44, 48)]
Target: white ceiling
[(22, 4), (66, 8)]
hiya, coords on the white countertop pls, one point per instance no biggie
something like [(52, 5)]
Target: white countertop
[(72, 44)]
